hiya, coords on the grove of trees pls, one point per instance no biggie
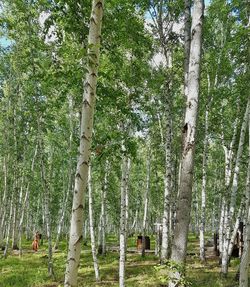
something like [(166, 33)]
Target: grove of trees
[(125, 118)]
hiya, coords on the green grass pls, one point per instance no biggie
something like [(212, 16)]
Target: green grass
[(30, 270)]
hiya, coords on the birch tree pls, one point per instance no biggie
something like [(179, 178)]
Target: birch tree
[(244, 264), (87, 115), (179, 246), (91, 227), (123, 219), (234, 188), (146, 200)]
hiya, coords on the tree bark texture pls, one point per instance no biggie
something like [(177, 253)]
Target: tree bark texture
[(179, 246), (245, 259), (234, 189), (91, 228), (81, 177), (123, 221)]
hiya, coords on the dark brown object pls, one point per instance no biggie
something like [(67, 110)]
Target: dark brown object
[(216, 250), (139, 242)]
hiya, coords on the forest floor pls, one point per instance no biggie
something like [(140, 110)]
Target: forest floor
[(30, 270)]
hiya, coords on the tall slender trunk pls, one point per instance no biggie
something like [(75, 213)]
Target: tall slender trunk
[(187, 41), (3, 205), (15, 223), (228, 151), (196, 211), (244, 264), (62, 215), (167, 180), (24, 203), (69, 184), (179, 246), (236, 227), (146, 198), (204, 179), (103, 222), (9, 223), (91, 228), (230, 214), (221, 227), (87, 115), (123, 221), (46, 188)]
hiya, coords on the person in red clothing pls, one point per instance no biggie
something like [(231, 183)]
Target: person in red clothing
[(35, 243)]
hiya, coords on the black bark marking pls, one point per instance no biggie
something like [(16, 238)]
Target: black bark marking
[(185, 128), (84, 162), (72, 259), (88, 84), (80, 206), (86, 103), (78, 240), (78, 175), (188, 148), (98, 4), (93, 20), (84, 137)]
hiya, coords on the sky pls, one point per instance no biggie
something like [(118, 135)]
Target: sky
[(4, 42)]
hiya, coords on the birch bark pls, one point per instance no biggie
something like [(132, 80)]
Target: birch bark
[(230, 214), (204, 179), (244, 264), (203, 192), (69, 183), (8, 228), (187, 41), (24, 204), (87, 115), (91, 228), (167, 182), (146, 198), (3, 205), (228, 151), (103, 219), (123, 221), (179, 246), (46, 188)]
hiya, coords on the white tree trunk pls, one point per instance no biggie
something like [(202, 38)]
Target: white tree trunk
[(179, 246), (221, 227), (8, 228), (228, 172), (187, 41), (87, 115), (104, 211), (4, 202), (15, 222), (91, 228), (69, 184), (62, 217), (236, 228), (245, 259), (123, 221), (167, 179), (24, 203), (146, 199), (203, 192), (225, 258), (46, 188)]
